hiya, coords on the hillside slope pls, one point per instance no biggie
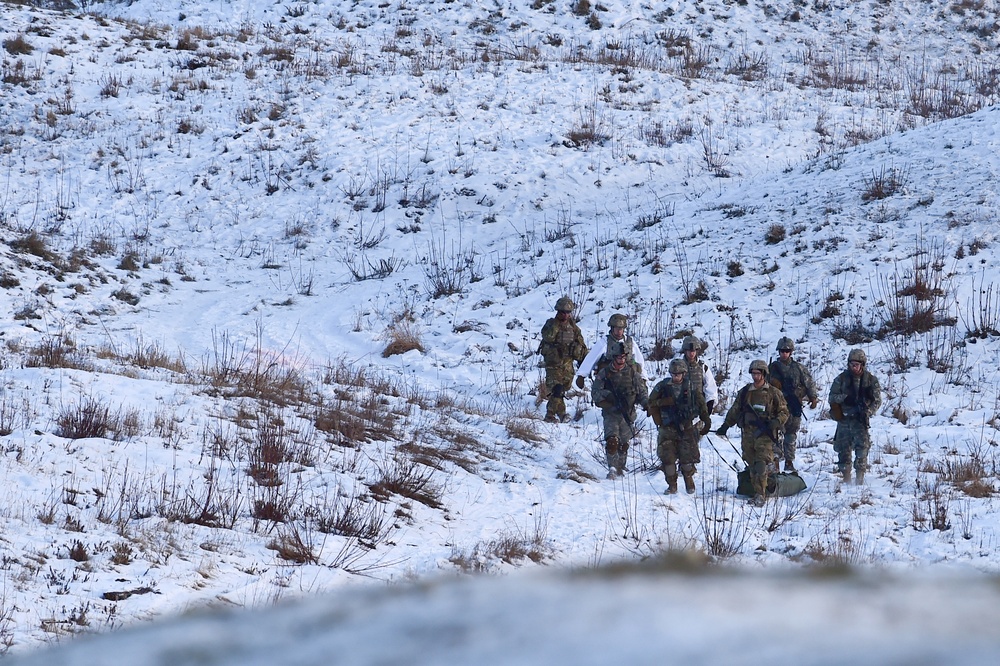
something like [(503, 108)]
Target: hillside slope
[(217, 218)]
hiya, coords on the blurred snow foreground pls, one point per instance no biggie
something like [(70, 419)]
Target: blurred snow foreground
[(644, 614)]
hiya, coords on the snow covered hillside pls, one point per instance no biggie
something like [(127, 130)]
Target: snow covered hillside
[(274, 273)]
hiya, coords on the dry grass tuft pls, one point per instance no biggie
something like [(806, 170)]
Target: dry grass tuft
[(403, 337)]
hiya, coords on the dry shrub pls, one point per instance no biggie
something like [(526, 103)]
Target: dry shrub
[(86, 419), (78, 552), (355, 518), (405, 477), (238, 369), (775, 234), (18, 45), (524, 429), (271, 506), (883, 183), (56, 351), (511, 546), (355, 422), (121, 553), (402, 337), (290, 545), (571, 470)]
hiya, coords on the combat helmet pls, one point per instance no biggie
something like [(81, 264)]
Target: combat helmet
[(618, 321), (678, 366), (565, 304), (691, 343), (857, 355), (759, 365), (785, 343)]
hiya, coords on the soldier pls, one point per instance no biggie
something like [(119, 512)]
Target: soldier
[(698, 372), (597, 358), (797, 385), (617, 389), (673, 406), (855, 396), (760, 412), (562, 344)]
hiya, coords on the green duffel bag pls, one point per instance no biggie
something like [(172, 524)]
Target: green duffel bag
[(781, 484)]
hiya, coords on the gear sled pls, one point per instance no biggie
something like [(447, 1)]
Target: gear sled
[(781, 484)]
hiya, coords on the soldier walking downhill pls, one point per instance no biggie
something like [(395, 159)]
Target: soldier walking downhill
[(597, 357), (699, 374), (562, 345), (760, 412), (797, 385), (617, 389), (855, 396), (673, 406)]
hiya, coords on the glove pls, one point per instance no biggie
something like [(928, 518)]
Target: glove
[(721, 432), (711, 406), (644, 405), (706, 427), (558, 391), (580, 383), (813, 403)]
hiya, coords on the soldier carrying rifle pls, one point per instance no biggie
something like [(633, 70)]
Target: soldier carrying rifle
[(855, 396)]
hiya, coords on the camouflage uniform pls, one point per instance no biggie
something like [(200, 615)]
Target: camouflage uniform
[(617, 390), (597, 357), (562, 344), (854, 399), (673, 407), (760, 414), (797, 385), (697, 370)]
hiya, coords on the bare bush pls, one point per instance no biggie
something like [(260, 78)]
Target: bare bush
[(354, 517), (403, 337), (18, 45), (981, 316), (406, 478), (883, 183), (724, 530), (447, 270), (239, 369), (56, 351), (293, 544), (86, 419)]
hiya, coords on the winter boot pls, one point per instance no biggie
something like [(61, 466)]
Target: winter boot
[(688, 471), (847, 474), (790, 467), (622, 458), (611, 451), (671, 485), (859, 480)]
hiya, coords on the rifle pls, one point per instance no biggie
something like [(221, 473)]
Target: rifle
[(620, 405), (787, 390), (861, 405), (863, 415)]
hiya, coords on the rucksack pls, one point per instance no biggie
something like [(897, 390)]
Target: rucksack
[(781, 484)]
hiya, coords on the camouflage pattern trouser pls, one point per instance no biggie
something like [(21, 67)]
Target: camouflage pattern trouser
[(757, 453), (558, 380), (673, 447), (619, 429), (852, 436), (787, 451)]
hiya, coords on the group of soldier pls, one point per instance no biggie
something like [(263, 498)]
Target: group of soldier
[(768, 410)]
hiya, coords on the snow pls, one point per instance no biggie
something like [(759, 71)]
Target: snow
[(251, 178)]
